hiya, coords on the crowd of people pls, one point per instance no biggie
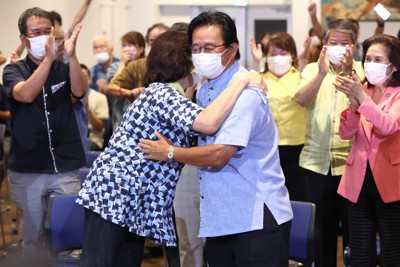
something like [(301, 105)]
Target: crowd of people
[(176, 114)]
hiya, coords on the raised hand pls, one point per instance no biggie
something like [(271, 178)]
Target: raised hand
[(323, 62), (352, 87), (256, 50), (50, 51), (70, 42)]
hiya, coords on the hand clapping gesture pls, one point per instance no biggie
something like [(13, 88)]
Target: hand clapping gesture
[(70, 42)]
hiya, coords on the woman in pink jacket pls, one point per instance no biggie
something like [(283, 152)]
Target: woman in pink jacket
[(371, 180)]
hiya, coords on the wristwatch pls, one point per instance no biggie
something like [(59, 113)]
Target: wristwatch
[(170, 154)]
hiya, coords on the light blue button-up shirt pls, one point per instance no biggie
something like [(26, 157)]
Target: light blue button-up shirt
[(232, 198)]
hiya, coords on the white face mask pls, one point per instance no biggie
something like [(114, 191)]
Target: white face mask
[(376, 72), (279, 65), (38, 46), (335, 54), (64, 58), (101, 57), (195, 76), (209, 64), (315, 41)]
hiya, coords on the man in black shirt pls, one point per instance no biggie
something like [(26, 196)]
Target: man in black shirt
[(46, 151)]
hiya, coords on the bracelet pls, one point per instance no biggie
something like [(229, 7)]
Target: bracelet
[(381, 24)]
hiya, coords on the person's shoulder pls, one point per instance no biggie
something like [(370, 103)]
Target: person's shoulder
[(139, 63), (96, 67)]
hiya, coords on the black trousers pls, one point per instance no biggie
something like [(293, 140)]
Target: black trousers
[(294, 174), (266, 247), (331, 212), (369, 216), (107, 244)]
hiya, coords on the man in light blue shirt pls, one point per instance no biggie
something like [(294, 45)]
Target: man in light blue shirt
[(245, 209)]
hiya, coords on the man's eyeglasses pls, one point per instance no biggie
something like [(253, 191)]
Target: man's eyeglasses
[(208, 48), (39, 32)]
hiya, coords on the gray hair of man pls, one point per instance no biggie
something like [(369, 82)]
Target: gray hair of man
[(341, 25)]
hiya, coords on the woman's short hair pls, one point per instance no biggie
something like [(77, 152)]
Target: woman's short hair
[(392, 45), (285, 42), (135, 38), (170, 58)]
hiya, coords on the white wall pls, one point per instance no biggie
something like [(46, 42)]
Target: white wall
[(115, 17)]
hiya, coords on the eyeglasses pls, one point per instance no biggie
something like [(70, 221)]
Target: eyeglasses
[(208, 48), (39, 32)]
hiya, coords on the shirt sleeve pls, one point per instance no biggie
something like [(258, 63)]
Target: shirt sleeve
[(111, 71), (177, 109), (12, 75), (247, 114)]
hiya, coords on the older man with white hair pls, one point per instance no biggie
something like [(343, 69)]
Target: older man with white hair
[(103, 54)]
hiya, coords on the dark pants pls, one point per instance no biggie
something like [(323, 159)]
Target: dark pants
[(107, 244), (266, 247), (331, 212), (294, 174), (368, 216)]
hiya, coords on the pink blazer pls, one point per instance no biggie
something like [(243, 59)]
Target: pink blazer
[(376, 132)]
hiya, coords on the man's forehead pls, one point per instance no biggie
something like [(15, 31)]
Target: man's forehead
[(100, 42), (208, 31), (339, 34), (36, 22)]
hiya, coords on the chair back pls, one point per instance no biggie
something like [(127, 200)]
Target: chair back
[(90, 157), (64, 223), (301, 248), (83, 173)]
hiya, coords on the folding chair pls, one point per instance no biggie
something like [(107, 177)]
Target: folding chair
[(90, 157), (301, 247), (64, 228), (83, 172), (346, 255)]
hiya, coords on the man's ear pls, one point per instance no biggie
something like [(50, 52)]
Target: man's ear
[(24, 40), (234, 47)]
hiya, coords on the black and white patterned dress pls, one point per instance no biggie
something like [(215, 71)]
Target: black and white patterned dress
[(129, 190)]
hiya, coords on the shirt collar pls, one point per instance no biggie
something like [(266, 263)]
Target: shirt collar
[(221, 82)]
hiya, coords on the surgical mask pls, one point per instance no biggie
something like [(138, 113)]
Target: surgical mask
[(315, 41), (101, 57), (38, 46), (376, 72), (335, 54), (64, 58), (279, 65), (195, 76), (209, 64)]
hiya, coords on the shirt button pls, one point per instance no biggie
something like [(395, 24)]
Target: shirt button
[(202, 197), (48, 113)]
